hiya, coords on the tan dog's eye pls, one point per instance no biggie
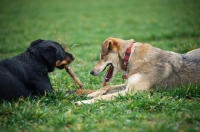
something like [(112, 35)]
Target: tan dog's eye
[(101, 56)]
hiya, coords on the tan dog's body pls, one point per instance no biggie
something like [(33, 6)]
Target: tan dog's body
[(148, 67)]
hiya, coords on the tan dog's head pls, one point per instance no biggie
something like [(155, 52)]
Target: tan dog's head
[(111, 54)]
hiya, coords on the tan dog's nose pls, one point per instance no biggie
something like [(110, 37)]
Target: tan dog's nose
[(92, 73)]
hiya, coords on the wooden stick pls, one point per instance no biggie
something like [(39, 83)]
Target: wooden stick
[(74, 76), (84, 91)]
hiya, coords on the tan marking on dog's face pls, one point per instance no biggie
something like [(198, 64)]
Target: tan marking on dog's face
[(62, 64), (59, 63)]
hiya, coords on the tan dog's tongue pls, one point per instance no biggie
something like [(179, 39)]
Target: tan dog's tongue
[(108, 75)]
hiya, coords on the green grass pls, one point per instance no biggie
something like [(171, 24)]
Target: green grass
[(168, 24)]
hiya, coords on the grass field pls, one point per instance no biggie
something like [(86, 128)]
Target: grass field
[(168, 24)]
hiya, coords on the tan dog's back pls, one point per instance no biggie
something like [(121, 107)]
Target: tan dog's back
[(165, 68)]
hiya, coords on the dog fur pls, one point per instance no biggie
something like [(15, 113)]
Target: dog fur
[(27, 74), (148, 68)]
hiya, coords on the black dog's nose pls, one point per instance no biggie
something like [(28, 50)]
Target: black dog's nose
[(92, 72), (70, 55)]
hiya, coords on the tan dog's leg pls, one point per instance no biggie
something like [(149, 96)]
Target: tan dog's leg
[(107, 90), (107, 97), (135, 83)]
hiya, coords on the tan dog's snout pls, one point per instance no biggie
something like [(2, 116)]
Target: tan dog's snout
[(92, 72), (98, 68)]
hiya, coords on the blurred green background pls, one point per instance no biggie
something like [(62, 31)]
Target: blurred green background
[(90, 22)]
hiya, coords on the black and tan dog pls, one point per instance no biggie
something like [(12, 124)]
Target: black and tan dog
[(144, 66), (27, 74)]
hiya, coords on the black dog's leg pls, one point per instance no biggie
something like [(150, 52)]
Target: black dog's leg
[(41, 86)]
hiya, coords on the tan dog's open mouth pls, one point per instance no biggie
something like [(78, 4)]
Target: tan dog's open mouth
[(109, 74)]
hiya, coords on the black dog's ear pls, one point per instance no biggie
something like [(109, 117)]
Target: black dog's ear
[(49, 54), (36, 42)]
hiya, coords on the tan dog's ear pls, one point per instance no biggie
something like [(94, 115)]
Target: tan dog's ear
[(105, 46)]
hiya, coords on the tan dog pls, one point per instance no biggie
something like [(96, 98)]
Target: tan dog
[(147, 68)]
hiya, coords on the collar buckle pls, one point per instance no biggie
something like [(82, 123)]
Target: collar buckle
[(124, 64)]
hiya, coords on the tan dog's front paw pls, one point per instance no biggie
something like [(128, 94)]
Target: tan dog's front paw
[(78, 103), (97, 93), (84, 102)]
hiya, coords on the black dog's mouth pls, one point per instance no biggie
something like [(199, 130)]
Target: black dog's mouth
[(109, 74), (61, 67)]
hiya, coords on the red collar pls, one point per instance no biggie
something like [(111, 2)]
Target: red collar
[(126, 59)]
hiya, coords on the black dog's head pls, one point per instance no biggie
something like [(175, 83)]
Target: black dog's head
[(51, 53)]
